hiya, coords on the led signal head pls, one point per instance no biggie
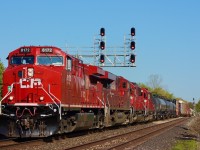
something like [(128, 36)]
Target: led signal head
[(132, 31), (102, 58), (132, 45), (102, 31), (132, 58), (102, 45)]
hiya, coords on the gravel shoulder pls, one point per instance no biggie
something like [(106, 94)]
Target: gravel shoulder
[(168, 139), (162, 142)]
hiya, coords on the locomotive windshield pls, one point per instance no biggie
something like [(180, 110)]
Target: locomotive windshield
[(50, 60), (18, 60)]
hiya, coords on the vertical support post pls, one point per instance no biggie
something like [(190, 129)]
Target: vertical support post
[(124, 50), (94, 52)]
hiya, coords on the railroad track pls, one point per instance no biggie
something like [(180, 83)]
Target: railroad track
[(18, 144), (130, 139), (5, 142)]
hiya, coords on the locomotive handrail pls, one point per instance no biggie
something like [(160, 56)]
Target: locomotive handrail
[(106, 108), (108, 100), (10, 91), (100, 100), (51, 95), (57, 100), (145, 108)]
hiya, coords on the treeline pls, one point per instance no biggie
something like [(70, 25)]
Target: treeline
[(154, 85), (159, 91), (1, 75)]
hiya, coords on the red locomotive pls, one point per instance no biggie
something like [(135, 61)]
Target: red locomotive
[(46, 91)]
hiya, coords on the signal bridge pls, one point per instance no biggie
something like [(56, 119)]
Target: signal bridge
[(103, 56)]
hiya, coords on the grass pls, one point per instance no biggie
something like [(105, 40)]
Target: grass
[(186, 145)]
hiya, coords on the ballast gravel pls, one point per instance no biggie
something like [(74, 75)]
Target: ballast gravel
[(165, 141)]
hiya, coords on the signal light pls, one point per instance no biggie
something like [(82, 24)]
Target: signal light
[(102, 32), (132, 46), (132, 31), (132, 58), (102, 58), (102, 45)]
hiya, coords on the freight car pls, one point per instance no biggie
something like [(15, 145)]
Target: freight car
[(182, 108), (47, 91), (164, 108)]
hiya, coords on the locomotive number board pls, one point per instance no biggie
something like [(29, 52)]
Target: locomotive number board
[(46, 50), (25, 50)]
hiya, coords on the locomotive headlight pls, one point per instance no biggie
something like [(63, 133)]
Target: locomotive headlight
[(41, 98), (30, 72), (11, 98)]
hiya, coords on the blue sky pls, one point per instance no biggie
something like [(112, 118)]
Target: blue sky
[(167, 34)]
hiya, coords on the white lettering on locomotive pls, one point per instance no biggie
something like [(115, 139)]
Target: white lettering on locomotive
[(29, 83), (83, 94), (69, 78), (46, 50), (25, 50), (82, 82)]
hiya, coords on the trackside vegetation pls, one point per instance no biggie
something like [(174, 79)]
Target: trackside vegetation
[(186, 145), (1, 75), (154, 85)]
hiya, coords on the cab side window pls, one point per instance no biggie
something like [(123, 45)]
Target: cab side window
[(69, 64), (124, 85)]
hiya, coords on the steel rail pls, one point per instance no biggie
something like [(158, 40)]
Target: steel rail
[(125, 138)]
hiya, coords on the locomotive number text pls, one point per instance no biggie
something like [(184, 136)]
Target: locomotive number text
[(46, 50), (25, 50)]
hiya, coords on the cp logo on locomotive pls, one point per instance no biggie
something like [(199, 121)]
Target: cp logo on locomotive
[(29, 83)]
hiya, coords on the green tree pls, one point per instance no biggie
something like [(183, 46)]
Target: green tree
[(154, 84), (197, 106), (145, 86), (162, 92), (1, 75), (191, 105)]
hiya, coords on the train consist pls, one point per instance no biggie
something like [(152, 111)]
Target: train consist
[(46, 92)]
